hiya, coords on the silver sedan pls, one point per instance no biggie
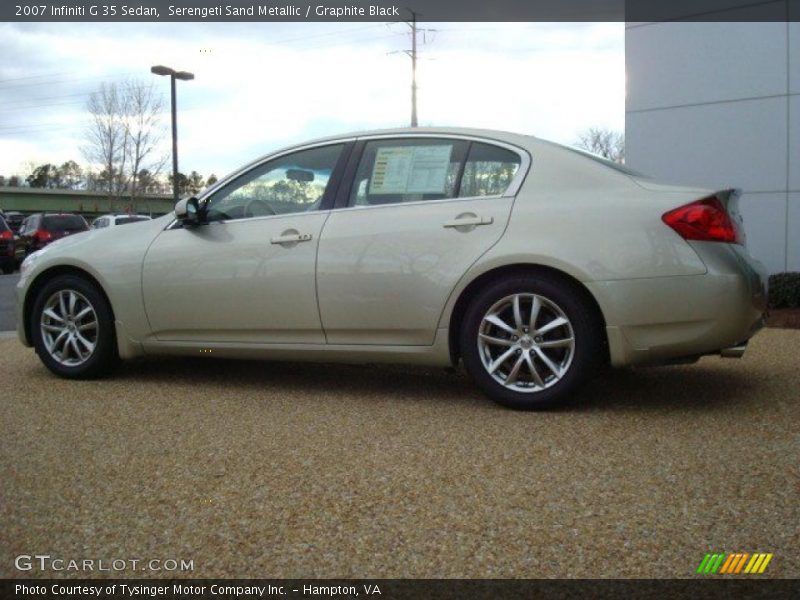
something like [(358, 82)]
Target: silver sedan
[(531, 263)]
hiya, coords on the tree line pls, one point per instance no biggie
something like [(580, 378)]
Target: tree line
[(71, 176)]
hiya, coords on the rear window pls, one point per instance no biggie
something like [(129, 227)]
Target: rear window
[(125, 220), (3, 226), (488, 170), (64, 223)]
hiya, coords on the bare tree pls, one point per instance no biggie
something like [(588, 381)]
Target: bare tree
[(105, 136), (143, 131), (123, 134), (604, 142)]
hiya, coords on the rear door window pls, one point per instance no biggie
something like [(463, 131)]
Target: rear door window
[(64, 223), (394, 171)]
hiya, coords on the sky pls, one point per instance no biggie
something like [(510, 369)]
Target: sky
[(261, 86)]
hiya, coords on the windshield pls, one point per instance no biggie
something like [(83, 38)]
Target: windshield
[(125, 220), (64, 223)]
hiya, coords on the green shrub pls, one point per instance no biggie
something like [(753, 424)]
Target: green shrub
[(784, 290)]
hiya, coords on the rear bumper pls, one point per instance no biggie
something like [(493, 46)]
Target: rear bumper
[(668, 319)]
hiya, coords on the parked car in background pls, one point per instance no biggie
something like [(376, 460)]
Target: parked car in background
[(7, 259), (41, 229), (14, 220), (532, 263), (112, 220)]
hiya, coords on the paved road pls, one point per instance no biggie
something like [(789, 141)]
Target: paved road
[(295, 470), (8, 320)]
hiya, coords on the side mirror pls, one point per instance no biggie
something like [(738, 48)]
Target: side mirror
[(188, 212)]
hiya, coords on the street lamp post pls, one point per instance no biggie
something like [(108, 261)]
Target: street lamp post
[(173, 75)]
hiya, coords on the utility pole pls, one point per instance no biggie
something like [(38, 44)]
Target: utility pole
[(413, 68), (413, 55)]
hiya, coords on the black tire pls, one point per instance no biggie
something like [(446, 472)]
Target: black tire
[(586, 354), (8, 270), (104, 357)]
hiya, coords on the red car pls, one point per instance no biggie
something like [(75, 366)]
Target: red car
[(7, 260), (42, 228)]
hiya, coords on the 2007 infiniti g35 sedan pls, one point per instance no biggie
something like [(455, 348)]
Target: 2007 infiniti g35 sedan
[(532, 263)]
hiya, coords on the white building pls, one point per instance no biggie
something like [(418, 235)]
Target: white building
[(718, 105)]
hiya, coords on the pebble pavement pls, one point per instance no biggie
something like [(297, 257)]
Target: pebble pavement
[(299, 470)]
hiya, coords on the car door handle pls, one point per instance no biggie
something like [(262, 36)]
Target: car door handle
[(471, 221), (291, 238)]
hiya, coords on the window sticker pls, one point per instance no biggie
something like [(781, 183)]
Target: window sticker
[(410, 170)]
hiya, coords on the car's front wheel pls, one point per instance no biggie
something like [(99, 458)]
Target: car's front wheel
[(73, 328), (529, 341)]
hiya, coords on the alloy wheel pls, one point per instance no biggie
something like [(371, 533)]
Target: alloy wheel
[(69, 328), (526, 342)]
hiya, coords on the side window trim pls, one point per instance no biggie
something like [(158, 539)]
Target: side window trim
[(338, 177), (461, 168), (346, 188)]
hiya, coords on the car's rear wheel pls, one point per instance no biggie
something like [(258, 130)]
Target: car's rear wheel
[(530, 341), (73, 328)]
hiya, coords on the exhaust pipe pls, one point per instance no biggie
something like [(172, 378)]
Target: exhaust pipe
[(733, 351)]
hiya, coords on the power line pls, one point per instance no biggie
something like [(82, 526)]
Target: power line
[(318, 35), (63, 76), (40, 127), (46, 105), (26, 102), (56, 73), (67, 80)]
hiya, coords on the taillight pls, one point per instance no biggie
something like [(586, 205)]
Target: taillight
[(704, 220), (6, 235), (42, 236)]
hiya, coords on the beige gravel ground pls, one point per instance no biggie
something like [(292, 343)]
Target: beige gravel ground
[(291, 470)]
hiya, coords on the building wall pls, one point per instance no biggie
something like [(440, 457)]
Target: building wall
[(718, 105)]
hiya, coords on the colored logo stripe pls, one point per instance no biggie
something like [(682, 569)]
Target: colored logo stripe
[(710, 563), (758, 563), (734, 563)]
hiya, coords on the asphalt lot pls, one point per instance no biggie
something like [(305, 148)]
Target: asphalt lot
[(8, 320), (293, 470)]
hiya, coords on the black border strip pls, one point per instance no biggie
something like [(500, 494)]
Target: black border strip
[(396, 10), (391, 589)]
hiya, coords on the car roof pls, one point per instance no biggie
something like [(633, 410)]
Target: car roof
[(516, 139), (491, 134), (121, 215)]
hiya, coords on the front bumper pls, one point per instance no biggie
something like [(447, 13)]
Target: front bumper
[(670, 319), (22, 287)]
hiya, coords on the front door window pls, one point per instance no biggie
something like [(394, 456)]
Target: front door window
[(290, 184)]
